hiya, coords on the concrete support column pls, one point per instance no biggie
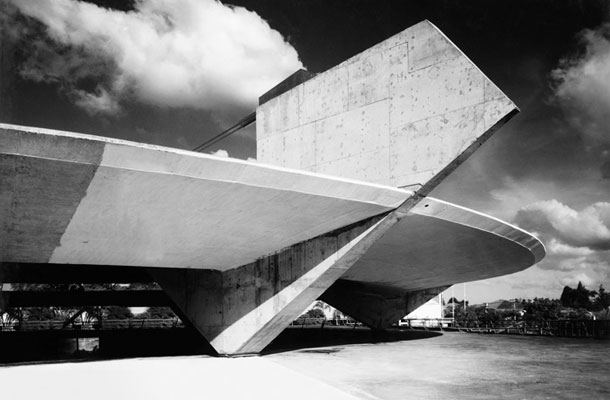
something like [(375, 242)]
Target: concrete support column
[(242, 310), (373, 307)]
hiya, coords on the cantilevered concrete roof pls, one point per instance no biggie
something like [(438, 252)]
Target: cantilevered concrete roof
[(80, 199), (438, 243), (77, 199)]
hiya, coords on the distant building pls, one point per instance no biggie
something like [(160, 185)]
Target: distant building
[(504, 305)]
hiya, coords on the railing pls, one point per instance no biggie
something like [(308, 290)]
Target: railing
[(307, 321), (562, 328), (426, 323), (109, 324)]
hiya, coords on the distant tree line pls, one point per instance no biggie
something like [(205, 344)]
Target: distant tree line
[(91, 314), (578, 303)]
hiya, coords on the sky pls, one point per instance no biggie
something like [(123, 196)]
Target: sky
[(178, 72)]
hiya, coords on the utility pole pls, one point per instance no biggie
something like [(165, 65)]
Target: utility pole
[(464, 296), (453, 304)]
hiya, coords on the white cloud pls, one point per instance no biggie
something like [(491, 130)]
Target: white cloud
[(583, 85), (100, 102), (171, 53), (589, 227), (513, 195), (578, 245), (583, 277), (546, 279), (556, 247)]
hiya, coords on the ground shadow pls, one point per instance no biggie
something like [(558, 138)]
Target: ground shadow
[(55, 346), (297, 338)]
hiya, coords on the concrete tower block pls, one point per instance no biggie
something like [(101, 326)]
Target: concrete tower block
[(396, 114)]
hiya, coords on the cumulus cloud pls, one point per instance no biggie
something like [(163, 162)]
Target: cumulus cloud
[(582, 85), (170, 53), (589, 227), (100, 102), (556, 247), (577, 243), (514, 194)]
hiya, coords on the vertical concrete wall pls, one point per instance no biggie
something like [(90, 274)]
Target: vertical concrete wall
[(395, 114)]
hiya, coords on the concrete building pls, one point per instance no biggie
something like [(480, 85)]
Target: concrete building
[(336, 208)]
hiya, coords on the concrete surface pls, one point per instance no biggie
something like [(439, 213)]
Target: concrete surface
[(376, 306), (395, 114), (163, 379), (438, 243), (449, 366), (262, 242), (243, 310), (462, 366), (245, 231), (413, 259), (394, 266), (77, 199)]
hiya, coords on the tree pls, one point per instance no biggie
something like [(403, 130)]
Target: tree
[(315, 313), (602, 301), (467, 317), (541, 309), (157, 313), (41, 314), (117, 312), (577, 298), (489, 317)]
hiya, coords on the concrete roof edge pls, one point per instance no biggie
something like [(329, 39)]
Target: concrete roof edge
[(521, 236), (372, 189)]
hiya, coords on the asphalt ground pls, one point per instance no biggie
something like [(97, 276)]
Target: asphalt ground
[(421, 366), (462, 366)]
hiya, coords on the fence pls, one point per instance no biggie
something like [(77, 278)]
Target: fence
[(109, 324), (303, 321), (563, 328)]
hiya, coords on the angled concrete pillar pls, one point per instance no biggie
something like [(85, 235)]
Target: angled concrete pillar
[(405, 112), (242, 310), (376, 307)]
